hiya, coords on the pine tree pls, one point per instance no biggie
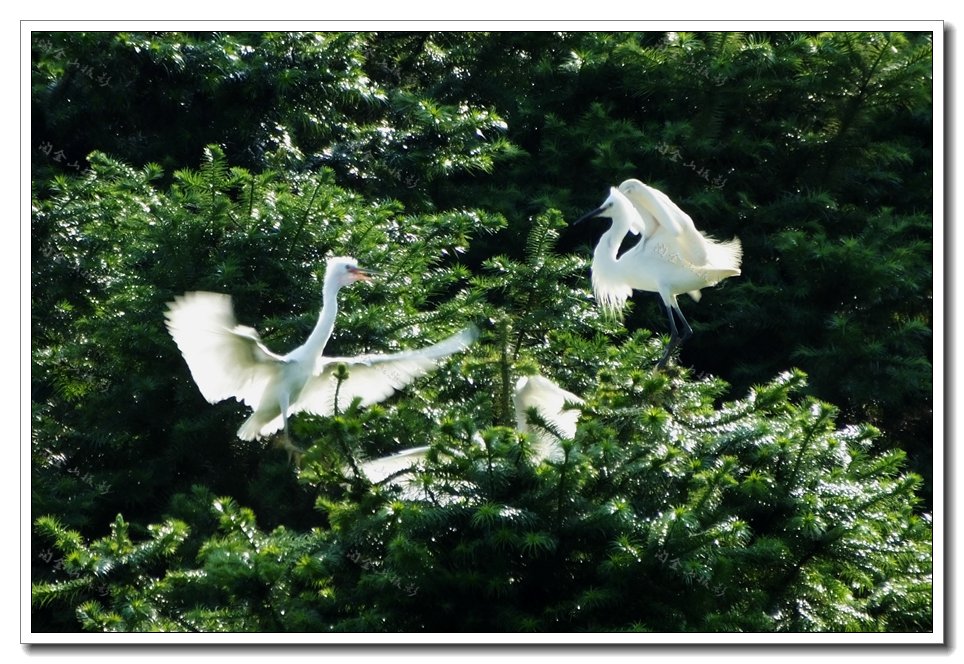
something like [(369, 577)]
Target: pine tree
[(670, 511), (450, 163)]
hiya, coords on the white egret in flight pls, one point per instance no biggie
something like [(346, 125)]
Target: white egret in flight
[(228, 360), (672, 256)]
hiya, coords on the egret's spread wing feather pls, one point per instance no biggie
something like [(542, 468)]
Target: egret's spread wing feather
[(689, 242), (692, 244), (373, 378), (646, 201), (376, 470), (643, 222), (226, 359)]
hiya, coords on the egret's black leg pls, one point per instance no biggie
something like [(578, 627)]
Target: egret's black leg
[(675, 339), (687, 330)]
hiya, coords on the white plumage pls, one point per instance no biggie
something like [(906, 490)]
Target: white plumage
[(228, 360), (378, 470), (672, 256), (538, 392), (549, 401)]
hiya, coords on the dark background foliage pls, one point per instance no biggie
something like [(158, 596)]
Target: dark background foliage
[(237, 162)]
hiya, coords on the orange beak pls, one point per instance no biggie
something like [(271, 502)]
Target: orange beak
[(359, 274)]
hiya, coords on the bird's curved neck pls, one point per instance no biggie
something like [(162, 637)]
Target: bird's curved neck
[(608, 247), (320, 335)]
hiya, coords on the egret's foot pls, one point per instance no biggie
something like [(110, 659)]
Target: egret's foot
[(294, 452), (294, 455), (667, 354)]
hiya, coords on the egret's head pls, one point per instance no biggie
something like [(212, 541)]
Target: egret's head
[(617, 207), (344, 270), (604, 210)]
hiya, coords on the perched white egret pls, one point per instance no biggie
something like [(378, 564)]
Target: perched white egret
[(549, 401), (228, 360), (538, 392), (672, 256)]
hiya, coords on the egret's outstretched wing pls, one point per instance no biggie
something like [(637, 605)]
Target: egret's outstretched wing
[(226, 359), (373, 378), (376, 470), (549, 400), (655, 206)]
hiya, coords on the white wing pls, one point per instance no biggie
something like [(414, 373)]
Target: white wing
[(377, 470), (373, 378), (549, 400), (226, 359), (679, 231)]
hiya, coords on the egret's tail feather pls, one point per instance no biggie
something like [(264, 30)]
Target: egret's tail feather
[(259, 425), (725, 257)]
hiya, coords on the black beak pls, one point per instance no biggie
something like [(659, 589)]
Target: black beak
[(598, 212)]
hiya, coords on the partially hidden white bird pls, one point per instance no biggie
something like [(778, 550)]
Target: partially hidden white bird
[(380, 469), (228, 360), (556, 406), (672, 256)]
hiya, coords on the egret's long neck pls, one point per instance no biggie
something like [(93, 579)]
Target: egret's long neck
[(319, 336), (608, 247), (606, 250), (608, 283)]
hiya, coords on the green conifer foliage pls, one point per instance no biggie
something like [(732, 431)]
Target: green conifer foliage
[(666, 514), (729, 493)]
